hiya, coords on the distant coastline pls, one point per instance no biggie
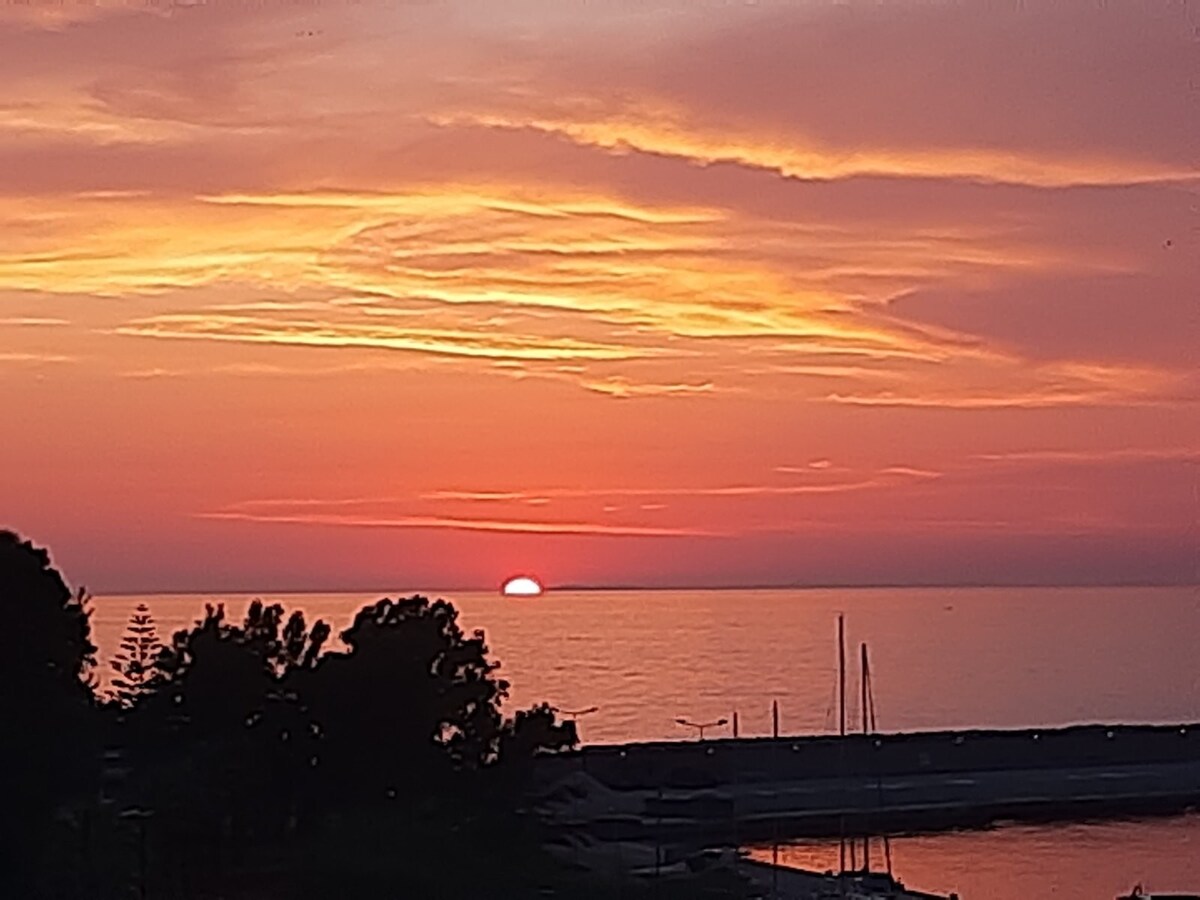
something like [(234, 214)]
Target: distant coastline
[(602, 588), (878, 586)]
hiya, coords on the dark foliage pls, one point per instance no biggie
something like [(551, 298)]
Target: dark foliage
[(47, 749), (135, 660), (257, 760), (380, 762)]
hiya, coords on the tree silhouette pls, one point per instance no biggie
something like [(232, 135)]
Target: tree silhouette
[(243, 751), (410, 698), (47, 727), (134, 662), (380, 763), (244, 755), (417, 762)]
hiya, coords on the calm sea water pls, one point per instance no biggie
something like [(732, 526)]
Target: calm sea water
[(941, 658), (1093, 861)]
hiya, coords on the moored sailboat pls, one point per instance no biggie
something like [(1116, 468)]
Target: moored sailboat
[(855, 882)]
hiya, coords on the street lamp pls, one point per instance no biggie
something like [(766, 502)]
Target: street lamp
[(574, 714), (701, 726), (139, 816)]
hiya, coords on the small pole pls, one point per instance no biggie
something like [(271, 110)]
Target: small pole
[(143, 858), (735, 723), (775, 718), (842, 676)]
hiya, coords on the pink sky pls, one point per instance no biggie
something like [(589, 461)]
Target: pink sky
[(418, 295)]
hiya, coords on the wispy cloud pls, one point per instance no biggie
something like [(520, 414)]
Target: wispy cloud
[(18, 357), (513, 526), (438, 342), (624, 388), (890, 476), (31, 322), (664, 131), (617, 511), (813, 467), (1119, 455)]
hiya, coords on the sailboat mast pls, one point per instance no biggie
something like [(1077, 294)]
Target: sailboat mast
[(841, 630), (864, 679), (869, 694)]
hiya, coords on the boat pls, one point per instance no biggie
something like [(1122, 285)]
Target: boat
[(871, 886), (854, 879), (861, 877), (857, 882)]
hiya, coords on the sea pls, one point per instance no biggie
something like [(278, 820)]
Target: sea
[(940, 658)]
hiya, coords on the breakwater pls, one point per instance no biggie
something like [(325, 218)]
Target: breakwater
[(827, 785)]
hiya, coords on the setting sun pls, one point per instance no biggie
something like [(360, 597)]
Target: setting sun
[(521, 586)]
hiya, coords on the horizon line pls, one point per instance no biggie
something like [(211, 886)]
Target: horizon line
[(602, 588)]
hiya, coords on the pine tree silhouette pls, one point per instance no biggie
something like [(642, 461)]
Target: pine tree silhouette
[(134, 664)]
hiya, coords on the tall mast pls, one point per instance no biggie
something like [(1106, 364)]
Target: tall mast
[(870, 696), (864, 678), (842, 723)]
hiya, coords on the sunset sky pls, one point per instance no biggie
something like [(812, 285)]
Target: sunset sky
[(419, 295)]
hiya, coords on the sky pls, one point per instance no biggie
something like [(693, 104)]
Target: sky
[(419, 295)]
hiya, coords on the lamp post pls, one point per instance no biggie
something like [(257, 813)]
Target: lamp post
[(574, 714), (701, 726), (139, 816)]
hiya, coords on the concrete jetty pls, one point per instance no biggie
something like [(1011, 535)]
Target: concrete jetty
[(755, 788)]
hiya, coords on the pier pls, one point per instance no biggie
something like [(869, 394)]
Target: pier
[(764, 788)]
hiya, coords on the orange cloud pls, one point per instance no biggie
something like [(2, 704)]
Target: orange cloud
[(510, 526)]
